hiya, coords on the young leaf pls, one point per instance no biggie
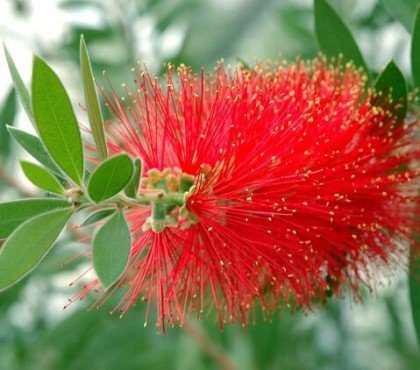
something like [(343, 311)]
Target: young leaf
[(402, 10), (415, 50), (92, 103), (334, 37), (15, 213), (55, 120), (110, 177), (29, 244), (35, 148), (414, 287), (392, 82), (7, 115), (133, 185), (111, 249), (97, 216), (19, 85), (42, 178)]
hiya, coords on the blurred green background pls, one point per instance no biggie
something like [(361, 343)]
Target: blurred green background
[(35, 331)]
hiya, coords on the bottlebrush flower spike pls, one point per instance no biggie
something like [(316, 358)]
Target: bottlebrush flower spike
[(295, 183)]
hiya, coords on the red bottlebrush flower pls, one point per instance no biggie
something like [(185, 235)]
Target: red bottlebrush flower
[(296, 182)]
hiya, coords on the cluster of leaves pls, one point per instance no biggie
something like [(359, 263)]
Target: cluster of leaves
[(118, 27), (32, 226)]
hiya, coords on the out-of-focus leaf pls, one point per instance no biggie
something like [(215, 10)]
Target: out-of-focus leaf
[(29, 244), (42, 178), (35, 148), (7, 116), (403, 10), (15, 213), (111, 249), (333, 35), (110, 177), (168, 15), (103, 35), (77, 339), (21, 7), (392, 82), (415, 50), (92, 103), (19, 85), (376, 19), (237, 24), (295, 20), (8, 298), (133, 185), (97, 216), (78, 4), (55, 120)]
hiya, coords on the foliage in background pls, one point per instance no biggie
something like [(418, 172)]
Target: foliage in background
[(30, 338)]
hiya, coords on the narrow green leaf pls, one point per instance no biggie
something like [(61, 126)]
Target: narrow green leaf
[(415, 50), (97, 216), (334, 37), (392, 83), (35, 148), (414, 288), (19, 85), (111, 250), (15, 213), (92, 103), (132, 187), (402, 10), (7, 116), (29, 244), (110, 177), (42, 178), (55, 120)]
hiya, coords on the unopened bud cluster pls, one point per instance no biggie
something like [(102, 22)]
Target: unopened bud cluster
[(170, 189)]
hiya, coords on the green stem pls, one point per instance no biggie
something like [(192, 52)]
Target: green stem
[(169, 199)]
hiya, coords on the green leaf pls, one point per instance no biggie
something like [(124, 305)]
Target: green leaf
[(414, 288), (55, 120), (111, 250), (92, 103), (415, 50), (41, 177), (7, 116), (403, 10), (392, 83), (334, 37), (19, 85), (34, 147), (29, 244), (97, 216), (132, 187), (110, 177), (15, 213)]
